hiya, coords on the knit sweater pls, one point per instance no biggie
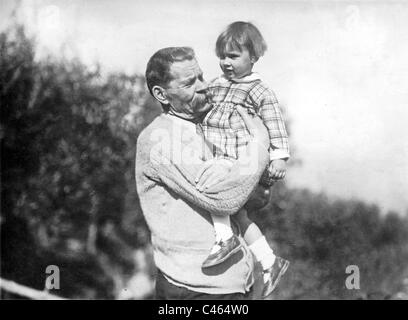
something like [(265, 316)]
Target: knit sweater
[(169, 155)]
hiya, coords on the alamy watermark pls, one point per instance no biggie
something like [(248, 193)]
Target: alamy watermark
[(353, 280), (52, 281), (180, 145)]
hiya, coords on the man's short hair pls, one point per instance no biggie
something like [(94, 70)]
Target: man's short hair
[(158, 67), (240, 35)]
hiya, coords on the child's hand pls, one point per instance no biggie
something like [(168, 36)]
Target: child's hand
[(212, 172), (277, 169)]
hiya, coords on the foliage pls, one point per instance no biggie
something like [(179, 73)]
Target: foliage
[(321, 237), (67, 159)]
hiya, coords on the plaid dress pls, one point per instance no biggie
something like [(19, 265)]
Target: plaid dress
[(225, 129)]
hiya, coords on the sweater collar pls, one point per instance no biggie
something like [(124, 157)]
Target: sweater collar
[(188, 124)]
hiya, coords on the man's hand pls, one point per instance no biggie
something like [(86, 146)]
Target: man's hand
[(212, 172), (277, 168)]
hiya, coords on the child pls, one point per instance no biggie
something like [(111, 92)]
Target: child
[(238, 48)]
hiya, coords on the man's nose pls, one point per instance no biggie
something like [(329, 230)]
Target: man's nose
[(202, 87)]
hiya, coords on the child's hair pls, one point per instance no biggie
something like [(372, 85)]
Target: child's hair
[(238, 35)]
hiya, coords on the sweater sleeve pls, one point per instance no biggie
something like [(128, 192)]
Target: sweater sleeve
[(227, 197)]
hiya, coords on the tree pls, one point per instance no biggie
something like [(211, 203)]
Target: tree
[(67, 170)]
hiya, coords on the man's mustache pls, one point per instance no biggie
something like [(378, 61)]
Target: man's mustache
[(205, 97), (209, 96)]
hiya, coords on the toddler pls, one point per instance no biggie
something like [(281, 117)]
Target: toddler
[(239, 47)]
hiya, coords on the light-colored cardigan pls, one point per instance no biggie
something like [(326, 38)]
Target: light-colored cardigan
[(168, 157)]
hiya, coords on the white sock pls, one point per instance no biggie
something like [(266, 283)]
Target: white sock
[(263, 253), (222, 227), (266, 277), (215, 248)]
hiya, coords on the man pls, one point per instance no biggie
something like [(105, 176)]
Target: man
[(171, 157)]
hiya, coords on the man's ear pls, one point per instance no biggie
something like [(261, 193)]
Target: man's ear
[(160, 94)]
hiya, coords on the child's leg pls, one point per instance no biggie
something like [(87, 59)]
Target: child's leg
[(273, 267), (249, 229), (255, 239), (222, 228)]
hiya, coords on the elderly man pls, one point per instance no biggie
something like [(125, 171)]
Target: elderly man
[(171, 156)]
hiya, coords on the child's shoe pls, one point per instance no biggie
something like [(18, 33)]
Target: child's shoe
[(273, 275), (226, 250)]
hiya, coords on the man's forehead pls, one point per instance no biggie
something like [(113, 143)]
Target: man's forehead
[(184, 69)]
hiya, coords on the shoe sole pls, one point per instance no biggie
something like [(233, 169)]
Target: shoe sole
[(229, 255), (281, 273)]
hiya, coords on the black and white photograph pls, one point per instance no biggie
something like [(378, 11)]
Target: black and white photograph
[(204, 150)]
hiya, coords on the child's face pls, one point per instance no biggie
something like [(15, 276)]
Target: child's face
[(236, 63)]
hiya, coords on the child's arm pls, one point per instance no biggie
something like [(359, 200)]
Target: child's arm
[(269, 110)]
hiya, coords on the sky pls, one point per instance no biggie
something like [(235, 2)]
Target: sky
[(338, 68)]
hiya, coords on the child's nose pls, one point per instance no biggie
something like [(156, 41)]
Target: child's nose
[(226, 62)]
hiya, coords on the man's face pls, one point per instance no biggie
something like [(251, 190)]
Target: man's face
[(187, 92)]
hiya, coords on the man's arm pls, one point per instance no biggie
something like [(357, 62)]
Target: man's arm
[(224, 198)]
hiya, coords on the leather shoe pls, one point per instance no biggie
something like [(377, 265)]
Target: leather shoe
[(274, 274), (227, 249)]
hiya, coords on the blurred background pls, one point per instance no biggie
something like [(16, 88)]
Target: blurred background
[(73, 101)]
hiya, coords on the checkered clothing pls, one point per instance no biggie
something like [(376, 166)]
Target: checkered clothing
[(225, 129)]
